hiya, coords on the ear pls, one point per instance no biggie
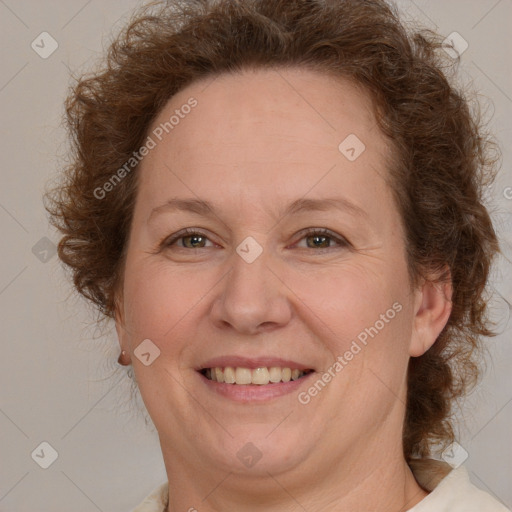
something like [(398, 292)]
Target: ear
[(432, 307), (122, 336)]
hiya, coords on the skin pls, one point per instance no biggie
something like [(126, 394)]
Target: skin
[(255, 142)]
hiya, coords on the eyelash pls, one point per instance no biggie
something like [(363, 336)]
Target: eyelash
[(168, 242)]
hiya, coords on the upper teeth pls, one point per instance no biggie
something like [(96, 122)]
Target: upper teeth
[(259, 376)]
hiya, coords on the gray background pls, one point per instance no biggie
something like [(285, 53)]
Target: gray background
[(59, 382)]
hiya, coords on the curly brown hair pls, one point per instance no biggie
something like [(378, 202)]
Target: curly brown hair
[(443, 158)]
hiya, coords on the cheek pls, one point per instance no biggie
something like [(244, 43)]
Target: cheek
[(336, 302), (369, 330), (159, 298), (350, 298)]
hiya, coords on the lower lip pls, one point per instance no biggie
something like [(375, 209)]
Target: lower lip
[(254, 392)]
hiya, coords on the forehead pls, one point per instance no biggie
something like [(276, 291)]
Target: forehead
[(257, 104), (264, 130)]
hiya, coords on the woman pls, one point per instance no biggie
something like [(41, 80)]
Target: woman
[(279, 204)]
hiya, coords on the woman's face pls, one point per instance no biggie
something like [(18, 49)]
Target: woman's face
[(258, 286)]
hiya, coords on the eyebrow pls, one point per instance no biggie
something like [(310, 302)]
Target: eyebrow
[(207, 209)]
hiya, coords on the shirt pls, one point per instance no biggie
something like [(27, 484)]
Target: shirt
[(450, 491)]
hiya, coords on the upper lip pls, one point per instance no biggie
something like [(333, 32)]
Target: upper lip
[(253, 362)]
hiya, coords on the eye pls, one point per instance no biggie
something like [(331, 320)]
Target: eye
[(191, 239), (322, 238)]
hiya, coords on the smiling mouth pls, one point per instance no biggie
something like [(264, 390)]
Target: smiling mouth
[(256, 376)]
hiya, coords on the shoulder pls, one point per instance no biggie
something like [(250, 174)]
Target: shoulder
[(451, 490), (157, 501)]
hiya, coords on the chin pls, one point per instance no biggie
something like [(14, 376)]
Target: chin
[(259, 449)]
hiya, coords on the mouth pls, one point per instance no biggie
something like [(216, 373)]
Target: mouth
[(253, 380), (260, 376)]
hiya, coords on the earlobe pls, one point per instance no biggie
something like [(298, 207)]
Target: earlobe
[(432, 308)]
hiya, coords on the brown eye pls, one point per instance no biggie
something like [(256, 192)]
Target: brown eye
[(195, 240), (323, 239), (187, 239)]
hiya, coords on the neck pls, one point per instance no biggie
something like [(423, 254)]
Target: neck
[(363, 480)]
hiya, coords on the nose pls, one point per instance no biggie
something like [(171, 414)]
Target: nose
[(252, 297)]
